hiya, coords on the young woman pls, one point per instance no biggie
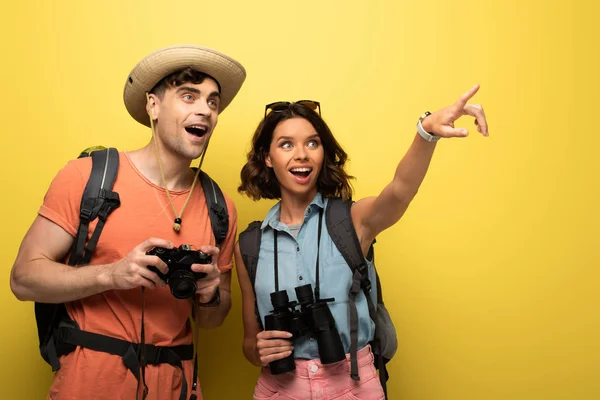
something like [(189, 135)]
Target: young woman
[(295, 158)]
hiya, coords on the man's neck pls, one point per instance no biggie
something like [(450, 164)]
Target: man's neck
[(177, 172)]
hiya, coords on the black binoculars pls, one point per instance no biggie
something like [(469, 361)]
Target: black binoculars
[(301, 318)]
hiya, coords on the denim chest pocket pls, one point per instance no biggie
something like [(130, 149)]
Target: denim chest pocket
[(336, 278)]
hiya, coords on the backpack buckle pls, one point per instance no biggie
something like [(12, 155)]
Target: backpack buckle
[(110, 202), (362, 268), (366, 284), (87, 208), (152, 354)]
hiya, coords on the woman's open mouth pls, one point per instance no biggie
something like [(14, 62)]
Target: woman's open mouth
[(301, 174)]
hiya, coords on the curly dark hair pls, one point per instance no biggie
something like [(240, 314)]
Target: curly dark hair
[(259, 182), (178, 78)]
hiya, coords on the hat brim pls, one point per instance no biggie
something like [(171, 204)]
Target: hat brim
[(228, 73)]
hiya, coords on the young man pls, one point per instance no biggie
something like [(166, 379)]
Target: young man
[(179, 92)]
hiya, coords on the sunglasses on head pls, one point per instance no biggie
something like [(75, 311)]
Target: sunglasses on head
[(280, 106)]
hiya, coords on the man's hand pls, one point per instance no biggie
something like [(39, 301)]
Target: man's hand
[(441, 122), (207, 286), (132, 271)]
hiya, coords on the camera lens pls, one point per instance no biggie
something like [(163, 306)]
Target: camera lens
[(182, 284)]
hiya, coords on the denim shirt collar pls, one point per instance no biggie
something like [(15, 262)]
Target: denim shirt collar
[(272, 218)]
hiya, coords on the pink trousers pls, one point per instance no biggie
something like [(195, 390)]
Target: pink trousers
[(312, 380)]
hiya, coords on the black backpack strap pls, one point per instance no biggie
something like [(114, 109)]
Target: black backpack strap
[(249, 241), (380, 361), (219, 222), (217, 207), (98, 200), (340, 227), (69, 338)]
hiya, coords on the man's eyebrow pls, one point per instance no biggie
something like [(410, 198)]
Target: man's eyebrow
[(188, 89)]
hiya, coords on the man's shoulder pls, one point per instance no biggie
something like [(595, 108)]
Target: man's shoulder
[(76, 172), (84, 164), (73, 170)]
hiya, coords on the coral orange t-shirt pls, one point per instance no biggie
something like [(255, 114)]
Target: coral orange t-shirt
[(144, 212)]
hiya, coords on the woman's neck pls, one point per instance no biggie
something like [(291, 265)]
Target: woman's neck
[(292, 207)]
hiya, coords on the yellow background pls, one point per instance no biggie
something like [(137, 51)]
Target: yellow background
[(491, 277)]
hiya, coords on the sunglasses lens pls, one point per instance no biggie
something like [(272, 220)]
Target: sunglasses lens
[(278, 106), (309, 103), (284, 105)]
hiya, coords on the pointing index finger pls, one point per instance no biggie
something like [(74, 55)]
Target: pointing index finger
[(462, 101)]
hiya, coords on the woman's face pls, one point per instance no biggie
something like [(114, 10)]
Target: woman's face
[(296, 156)]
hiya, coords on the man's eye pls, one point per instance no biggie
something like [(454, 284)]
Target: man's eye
[(213, 103), (188, 97)]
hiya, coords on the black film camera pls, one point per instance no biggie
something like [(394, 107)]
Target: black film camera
[(180, 277)]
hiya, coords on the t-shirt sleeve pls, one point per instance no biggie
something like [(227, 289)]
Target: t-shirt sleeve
[(63, 198), (226, 255)]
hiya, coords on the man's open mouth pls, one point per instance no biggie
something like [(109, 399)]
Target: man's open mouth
[(197, 130)]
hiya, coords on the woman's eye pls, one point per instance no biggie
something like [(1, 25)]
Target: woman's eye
[(313, 143), (286, 145)]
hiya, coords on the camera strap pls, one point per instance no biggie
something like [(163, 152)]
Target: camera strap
[(143, 353), (276, 263)]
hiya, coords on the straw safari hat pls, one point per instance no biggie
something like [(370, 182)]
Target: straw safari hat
[(229, 73)]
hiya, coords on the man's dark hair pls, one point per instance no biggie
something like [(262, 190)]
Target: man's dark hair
[(178, 78)]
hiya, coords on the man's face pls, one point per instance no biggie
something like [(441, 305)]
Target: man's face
[(185, 117)]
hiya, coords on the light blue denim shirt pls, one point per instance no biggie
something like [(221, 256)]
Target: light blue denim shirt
[(296, 265)]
